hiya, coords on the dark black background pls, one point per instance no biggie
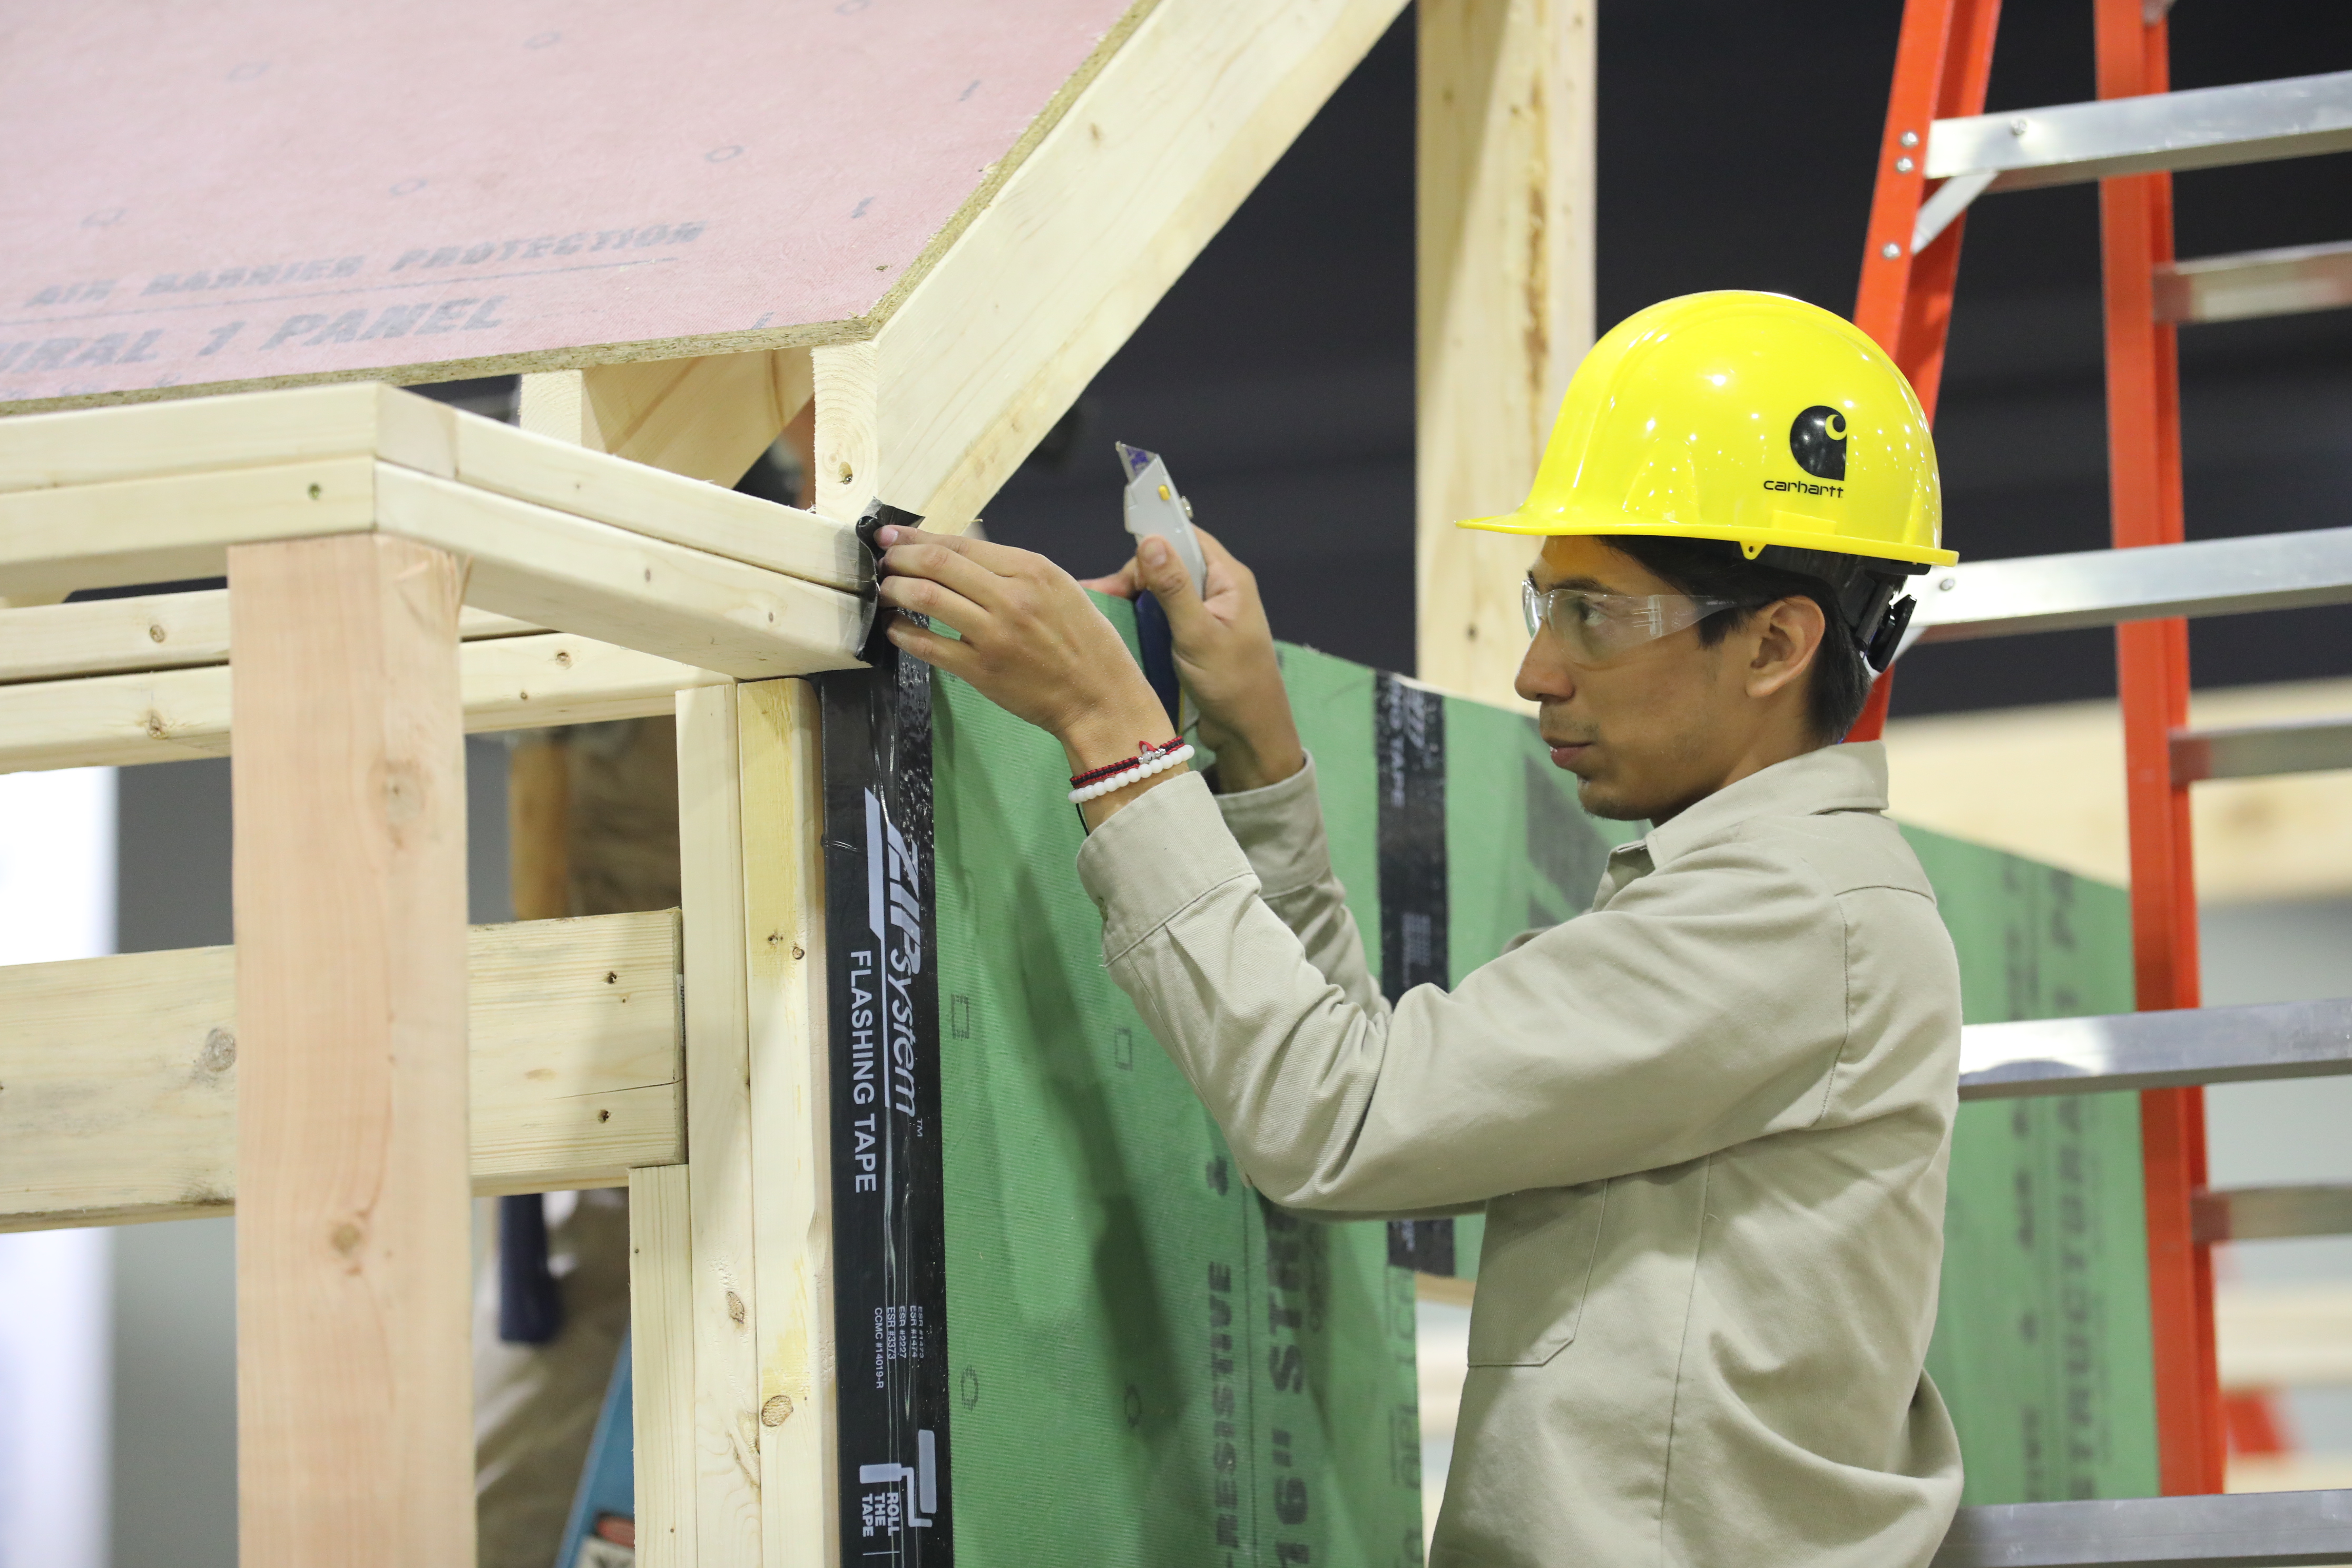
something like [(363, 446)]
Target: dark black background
[(1737, 141)]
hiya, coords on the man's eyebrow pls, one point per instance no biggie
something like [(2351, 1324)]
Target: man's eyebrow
[(1582, 585)]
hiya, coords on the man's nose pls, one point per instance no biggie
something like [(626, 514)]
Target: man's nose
[(1543, 673)]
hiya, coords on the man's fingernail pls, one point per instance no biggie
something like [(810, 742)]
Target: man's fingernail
[(885, 536), (1155, 552)]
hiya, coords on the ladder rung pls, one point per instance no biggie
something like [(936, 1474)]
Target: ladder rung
[(2102, 587), (2256, 283), (2262, 751), (2242, 1530), (2269, 1213), (2204, 127), (2156, 1049)]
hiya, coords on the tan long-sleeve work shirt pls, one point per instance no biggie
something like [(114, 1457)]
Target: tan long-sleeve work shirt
[(1709, 1122)]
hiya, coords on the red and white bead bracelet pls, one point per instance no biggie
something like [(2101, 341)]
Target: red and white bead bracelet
[(1148, 761)]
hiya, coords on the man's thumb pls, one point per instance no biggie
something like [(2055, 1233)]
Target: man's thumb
[(1163, 571)]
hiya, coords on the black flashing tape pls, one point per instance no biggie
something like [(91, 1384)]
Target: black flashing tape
[(889, 1243), (1409, 743)]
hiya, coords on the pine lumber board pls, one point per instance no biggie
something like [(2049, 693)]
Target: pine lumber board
[(1154, 154), (55, 467), (241, 430), (783, 902), (1505, 259), (118, 1076), (709, 417), (523, 682), (571, 573), (353, 1266), (177, 526), (726, 1430), (662, 1365), (150, 631)]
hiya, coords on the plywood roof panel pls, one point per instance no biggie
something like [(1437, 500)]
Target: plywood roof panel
[(211, 192)]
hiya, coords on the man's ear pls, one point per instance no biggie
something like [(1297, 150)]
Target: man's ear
[(1788, 635)]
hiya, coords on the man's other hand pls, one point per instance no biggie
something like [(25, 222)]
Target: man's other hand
[(1224, 658), (1030, 641)]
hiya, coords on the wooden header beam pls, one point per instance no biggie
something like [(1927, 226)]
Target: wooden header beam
[(574, 539)]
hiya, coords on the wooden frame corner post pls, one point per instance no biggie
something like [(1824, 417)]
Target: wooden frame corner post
[(783, 902), (721, 1296), (354, 1366), (1503, 200)]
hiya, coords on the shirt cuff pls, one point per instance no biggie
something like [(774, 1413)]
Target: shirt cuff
[(1280, 828), (1155, 857)]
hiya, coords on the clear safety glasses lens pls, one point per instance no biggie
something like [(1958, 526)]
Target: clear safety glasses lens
[(1597, 628)]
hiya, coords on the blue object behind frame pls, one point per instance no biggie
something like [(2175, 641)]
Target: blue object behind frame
[(608, 1485)]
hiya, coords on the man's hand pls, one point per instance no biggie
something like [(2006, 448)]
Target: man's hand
[(1224, 656), (1030, 640)]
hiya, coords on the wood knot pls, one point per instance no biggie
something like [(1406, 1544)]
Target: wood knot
[(604, 1116), (346, 1237), (735, 1308), (776, 1412), (403, 794), (219, 1052), (155, 632), (610, 975), (156, 726)]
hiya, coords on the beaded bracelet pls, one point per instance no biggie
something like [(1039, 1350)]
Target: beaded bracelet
[(1144, 765), (1144, 752)]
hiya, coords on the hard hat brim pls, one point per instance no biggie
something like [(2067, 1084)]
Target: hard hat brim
[(1550, 524)]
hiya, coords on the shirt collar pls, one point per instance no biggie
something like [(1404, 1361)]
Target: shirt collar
[(1848, 777)]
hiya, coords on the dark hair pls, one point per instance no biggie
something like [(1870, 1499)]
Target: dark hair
[(1715, 569)]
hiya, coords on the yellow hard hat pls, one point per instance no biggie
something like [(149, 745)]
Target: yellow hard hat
[(1752, 417)]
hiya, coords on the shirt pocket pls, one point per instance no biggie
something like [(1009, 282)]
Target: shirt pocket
[(1533, 1271)]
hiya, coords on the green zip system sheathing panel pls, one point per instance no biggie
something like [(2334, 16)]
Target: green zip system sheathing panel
[(1151, 1366)]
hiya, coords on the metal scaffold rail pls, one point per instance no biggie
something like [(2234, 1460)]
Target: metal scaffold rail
[(2156, 1051), (2243, 1530)]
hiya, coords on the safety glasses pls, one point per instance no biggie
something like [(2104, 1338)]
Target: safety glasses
[(1597, 628)]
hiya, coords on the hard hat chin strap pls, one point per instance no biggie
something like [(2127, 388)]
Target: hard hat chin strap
[(1870, 594)]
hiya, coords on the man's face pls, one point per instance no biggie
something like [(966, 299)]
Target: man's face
[(1653, 729)]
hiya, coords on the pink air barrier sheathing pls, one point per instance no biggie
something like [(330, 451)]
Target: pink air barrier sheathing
[(208, 191)]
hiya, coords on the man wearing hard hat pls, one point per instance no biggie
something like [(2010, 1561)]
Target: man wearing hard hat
[(1708, 1122)]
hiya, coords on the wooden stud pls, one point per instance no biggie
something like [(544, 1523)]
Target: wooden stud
[(1504, 198), (538, 827), (662, 1365), (159, 631), (846, 431), (707, 418), (355, 1385), (783, 894), (508, 683), (725, 1304), (120, 1073)]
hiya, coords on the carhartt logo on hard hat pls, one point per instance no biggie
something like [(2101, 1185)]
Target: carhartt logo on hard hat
[(1817, 440)]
